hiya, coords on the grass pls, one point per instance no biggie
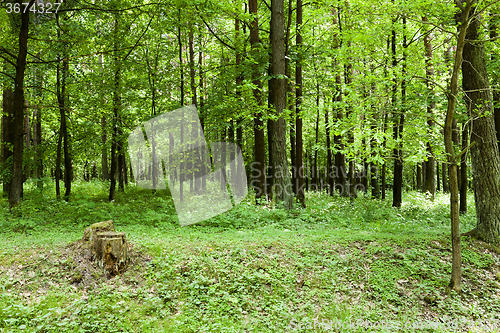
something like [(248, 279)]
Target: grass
[(251, 269)]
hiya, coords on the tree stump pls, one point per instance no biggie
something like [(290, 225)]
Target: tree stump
[(110, 250), (98, 227), (107, 247)]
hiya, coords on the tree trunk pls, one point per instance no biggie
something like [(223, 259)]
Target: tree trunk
[(315, 179), (484, 150), (444, 176), (430, 177), (280, 163), (299, 143), (115, 137), (329, 168), (456, 273), (7, 138), (16, 183), (258, 167), (463, 170), (104, 138)]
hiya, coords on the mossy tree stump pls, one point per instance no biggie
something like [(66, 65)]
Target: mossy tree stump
[(108, 247)]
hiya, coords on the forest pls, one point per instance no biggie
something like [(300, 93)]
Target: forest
[(269, 165)]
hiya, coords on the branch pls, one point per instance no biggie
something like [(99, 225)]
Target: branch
[(213, 33), (459, 5), (465, 150), (4, 50), (139, 39), (9, 61), (6, 74)]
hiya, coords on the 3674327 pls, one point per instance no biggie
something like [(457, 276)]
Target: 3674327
[(36, 8)]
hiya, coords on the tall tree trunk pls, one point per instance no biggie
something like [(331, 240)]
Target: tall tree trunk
[(181, 62), (397, 182), (456, 273), (259, 165), (299, 143), (16, 183), (7, 137), (329, 166), (280, 163), (463, 170), (419, 177), (484, 150), (115, 135), (315, 176), (430, 177), (444, 176), (104, 137), (68, 165)]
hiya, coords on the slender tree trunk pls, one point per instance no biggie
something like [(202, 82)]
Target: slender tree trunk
[(104, 137), (16, 183), (68, 165), (299, 143), (315, 179), (281, 175), (329, 166), (115, 145), (397, 186), (463, 170), (259, 165), (444, 176), (7, 137), (438, 181), (430, 177), (456, 273), (419, 177)]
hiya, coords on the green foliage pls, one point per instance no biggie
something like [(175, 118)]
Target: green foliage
[(252, 268)]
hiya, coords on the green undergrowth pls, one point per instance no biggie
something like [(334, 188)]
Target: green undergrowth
[(251, 269)]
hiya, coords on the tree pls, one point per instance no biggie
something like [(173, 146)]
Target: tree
[(456, 272), (430, 163), (259, 165), (485, 155), (281, 175), (16, 184)]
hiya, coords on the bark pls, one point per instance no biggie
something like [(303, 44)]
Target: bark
[(104, 152), (299, 143), (16, 183), (179, 40), (340, 165), (63, 104), (430, 177), (493, 27), (259, 173), (115, 145), (280, 164), (485, 156), (398, 123), (456, 274), (315, 176), (289, 96), (419, 177), (329, 167), (463, 170), (444, 176), (104, 137), (7, 138)]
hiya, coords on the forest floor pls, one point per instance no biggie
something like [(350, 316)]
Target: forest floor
[(335, 266)]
